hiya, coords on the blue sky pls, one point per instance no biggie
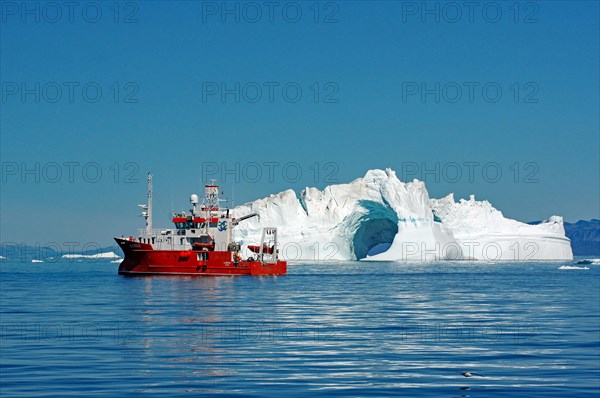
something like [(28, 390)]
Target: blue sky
[(448, 94)]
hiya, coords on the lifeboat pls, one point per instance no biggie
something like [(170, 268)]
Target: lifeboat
[(204, 245), (256, 249)]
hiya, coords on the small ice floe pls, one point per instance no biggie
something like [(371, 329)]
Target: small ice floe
[(118, 260), (572, 267), (36, 261), (98, 256), (469, 374)]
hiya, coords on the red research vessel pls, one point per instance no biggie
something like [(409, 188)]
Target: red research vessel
[(200, 244)]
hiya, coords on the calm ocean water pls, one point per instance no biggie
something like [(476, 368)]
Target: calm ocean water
[(324, 329)]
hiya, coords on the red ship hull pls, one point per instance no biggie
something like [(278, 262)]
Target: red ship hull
[(142, 259)]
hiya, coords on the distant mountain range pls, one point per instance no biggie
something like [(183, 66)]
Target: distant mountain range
[(584, 235)]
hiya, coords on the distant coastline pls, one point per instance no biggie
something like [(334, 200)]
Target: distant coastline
[(584, 235)]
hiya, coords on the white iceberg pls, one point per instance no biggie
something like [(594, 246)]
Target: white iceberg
[(352, 221)]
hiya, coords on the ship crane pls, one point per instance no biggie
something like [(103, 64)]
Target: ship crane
[(236, 221)]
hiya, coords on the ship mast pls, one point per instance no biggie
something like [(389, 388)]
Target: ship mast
[(149, 215), (147, 208)]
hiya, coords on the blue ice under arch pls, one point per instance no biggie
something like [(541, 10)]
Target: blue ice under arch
[(376, 230)]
